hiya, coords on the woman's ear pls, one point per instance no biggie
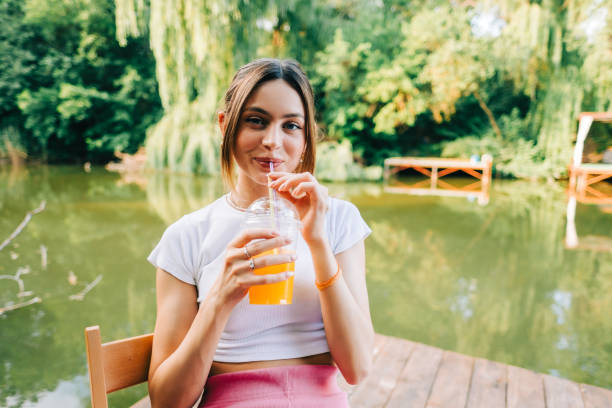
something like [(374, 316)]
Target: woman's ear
[(221, 119)]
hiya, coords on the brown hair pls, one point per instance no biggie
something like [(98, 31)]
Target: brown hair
[(246, 80)]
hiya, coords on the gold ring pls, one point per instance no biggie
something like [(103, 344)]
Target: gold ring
[(251, 264), (246, 251)]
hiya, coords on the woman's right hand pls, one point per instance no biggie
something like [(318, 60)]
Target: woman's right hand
[(237, 276)]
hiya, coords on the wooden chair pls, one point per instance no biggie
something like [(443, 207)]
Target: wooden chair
[(116, 365)]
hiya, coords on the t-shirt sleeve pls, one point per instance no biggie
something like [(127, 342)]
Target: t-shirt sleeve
[(348, 226), (176, 252)]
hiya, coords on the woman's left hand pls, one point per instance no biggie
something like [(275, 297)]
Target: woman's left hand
[(309, 198)]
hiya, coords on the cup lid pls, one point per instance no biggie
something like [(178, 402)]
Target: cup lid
[(262, 207)]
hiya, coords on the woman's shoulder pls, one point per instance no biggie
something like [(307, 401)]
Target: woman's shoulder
[(345, 226), (341, 212), (338, 207)]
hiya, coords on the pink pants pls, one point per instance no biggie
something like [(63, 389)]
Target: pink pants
[(285, 386)]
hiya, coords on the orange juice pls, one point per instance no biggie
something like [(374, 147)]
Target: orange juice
[(280, 293)]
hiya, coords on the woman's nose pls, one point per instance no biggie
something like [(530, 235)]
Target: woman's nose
[(272, 138)]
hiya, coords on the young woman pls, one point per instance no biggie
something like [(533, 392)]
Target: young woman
[(207, 335)]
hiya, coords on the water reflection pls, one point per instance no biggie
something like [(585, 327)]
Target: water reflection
[(494, 281), (472, 191), (67, 394), (589, 242)]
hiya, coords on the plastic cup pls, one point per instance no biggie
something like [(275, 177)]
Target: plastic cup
[(280, 215)]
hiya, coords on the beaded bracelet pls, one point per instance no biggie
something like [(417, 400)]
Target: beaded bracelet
[(330, 281)]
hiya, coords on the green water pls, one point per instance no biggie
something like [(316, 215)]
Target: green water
[(491, 280)]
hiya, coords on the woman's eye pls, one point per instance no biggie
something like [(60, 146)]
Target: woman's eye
[(292, 126), (254, 120)]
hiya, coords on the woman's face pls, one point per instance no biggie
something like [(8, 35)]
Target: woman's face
[(271, 130)]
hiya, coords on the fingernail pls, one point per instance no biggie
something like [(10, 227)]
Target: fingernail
[(293, 257), (289, 274)]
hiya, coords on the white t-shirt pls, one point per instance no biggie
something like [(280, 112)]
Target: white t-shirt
[(193, 250)]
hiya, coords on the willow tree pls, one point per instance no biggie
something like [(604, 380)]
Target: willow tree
[(198, 45), (559, 53), (194, 46)]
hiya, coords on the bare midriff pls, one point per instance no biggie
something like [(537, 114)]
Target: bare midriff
[(218, 367)]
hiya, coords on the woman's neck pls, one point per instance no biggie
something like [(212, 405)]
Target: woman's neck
[(246, 191)]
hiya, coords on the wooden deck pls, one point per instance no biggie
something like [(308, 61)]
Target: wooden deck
[(410, 375), (582, 181), (422, 164)]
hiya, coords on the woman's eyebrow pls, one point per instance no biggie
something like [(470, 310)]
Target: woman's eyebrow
[(264, 112)]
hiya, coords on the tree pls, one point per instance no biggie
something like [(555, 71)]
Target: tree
[(71, 90)]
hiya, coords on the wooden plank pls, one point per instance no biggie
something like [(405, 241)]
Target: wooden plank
[(598, 178), (95, 361), (379, 342), (126, 361), (451, 385), (561, 393), (525, 389), (376, 388), (599, 116), (595, 397), (447, 171), (422, 171), (417, 377), (488, 388), (435, 162), (593, 168), (472, 173)]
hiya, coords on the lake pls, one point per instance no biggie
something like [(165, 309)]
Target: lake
[(489, 279)]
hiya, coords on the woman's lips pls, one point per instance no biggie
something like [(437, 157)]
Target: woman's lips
[(265, 163)]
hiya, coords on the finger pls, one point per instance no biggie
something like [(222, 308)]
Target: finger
[(259, 247), (271, 260), (249, 234), (293, 181), (267, 279), (277, 174), (287, 196), (278, 180), (243, 267), (306, 188)]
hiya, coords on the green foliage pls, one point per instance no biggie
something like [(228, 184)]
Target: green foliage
[(391, 77), (513, 155), (399, 101), (184, 140), (335, 162), (71, 90)]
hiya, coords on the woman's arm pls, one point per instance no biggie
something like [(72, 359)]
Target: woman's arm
[(344, 305), (184, 342), (345, 309)]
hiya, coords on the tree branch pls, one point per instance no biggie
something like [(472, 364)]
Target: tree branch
[(486, 109), (21, 226)]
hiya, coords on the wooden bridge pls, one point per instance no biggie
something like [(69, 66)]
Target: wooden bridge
[(583, 176), (413, 375), (421, 164), (435, 168)]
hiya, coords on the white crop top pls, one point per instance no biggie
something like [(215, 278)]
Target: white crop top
[(193, 250)]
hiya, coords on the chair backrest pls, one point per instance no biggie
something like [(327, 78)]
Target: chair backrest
[(115, 365)]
